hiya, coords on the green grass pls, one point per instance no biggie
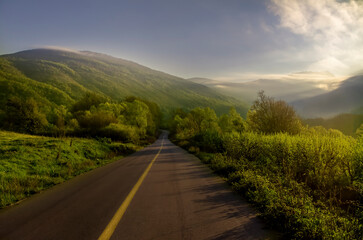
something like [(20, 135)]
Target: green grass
[(309, 186), (30, 164)]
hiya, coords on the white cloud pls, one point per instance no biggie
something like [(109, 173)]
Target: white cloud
[(323, 80), (57, 48), (334, 30)]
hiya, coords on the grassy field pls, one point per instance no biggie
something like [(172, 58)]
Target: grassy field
[(30, 164), (308, 186)]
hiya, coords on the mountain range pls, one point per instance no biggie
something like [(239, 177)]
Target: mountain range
[(62, 77), (347, 98), (310, 98), (289, 88)]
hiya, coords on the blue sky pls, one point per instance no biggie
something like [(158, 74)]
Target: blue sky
[(229, 39)]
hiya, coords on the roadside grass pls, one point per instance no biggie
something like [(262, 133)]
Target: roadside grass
[(307, 186), (30, 164)]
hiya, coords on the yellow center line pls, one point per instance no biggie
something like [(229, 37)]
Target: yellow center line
[(107, 233)]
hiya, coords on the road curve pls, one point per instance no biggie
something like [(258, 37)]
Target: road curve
[(178, 199)]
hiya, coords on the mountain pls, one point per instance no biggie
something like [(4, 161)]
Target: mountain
[(347, 98), (58, 77), (288, 89)]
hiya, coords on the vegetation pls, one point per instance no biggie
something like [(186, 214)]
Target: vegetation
[(359, 131), (308, 183), (132, 120), (55, 78), (270, 116), (30, 164), (346, 123)]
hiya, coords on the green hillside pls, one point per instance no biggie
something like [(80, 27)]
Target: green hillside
[(62, 77)]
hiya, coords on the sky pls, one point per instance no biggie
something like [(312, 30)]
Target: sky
[(227, 40)]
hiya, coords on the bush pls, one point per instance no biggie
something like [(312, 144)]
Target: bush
[(269, 116), (121, 132), (24, 116)]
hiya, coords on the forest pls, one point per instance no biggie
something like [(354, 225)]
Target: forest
[(306, 181), (130, 120)]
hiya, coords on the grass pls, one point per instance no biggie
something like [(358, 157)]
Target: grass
[(309, 186), (30, 164)]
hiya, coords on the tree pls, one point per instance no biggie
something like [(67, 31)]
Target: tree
[(24, 116), (87, 101), (96, 120), (359, 131), (136, 114), (232, 122), (267, 115)]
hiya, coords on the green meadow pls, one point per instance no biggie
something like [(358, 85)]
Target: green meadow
[(31, 164)]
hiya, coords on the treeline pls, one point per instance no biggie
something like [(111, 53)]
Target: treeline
[(306, 181), (130, 120), (346, 123)]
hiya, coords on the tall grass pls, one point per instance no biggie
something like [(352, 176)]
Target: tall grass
[(30, 164), (308, 185)]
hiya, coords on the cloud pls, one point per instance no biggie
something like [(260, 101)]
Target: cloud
[(57, 48), (323, 80), (334, 30)]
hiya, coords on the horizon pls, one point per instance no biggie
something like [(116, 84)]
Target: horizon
[(235, 42)]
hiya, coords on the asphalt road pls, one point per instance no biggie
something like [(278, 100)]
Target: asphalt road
[(178, 199)]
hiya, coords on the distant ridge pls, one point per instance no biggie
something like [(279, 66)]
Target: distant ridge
[(347, 98), (287, 90), (61, 77)]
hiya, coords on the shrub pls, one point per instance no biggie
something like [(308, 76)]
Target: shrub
[(270, 116)]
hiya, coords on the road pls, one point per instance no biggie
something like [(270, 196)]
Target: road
[(178, 198)]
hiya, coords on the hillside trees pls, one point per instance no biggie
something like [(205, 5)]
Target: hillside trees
[(87, 101), (128, 120), (270, 116), (93, 115), (24, 116), (359, 131), (232, 122)]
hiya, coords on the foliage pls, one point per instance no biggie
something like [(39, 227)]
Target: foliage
[(232, 122), (270, 116), (199, 126), (131, 120), (359, 131), (310, 185), (56, 78), (24, 116), (87, 101), (346, 123), (30, 164)]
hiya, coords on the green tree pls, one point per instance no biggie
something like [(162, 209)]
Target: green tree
[(87, 101), (359, 131), (232, 122), (96, 120), (137, 114), (24, 116), (267, 115)]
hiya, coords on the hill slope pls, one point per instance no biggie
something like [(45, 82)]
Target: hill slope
[(62, 77), (346, 98)]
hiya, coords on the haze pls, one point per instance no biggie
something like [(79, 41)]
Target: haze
[(225, 40)]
